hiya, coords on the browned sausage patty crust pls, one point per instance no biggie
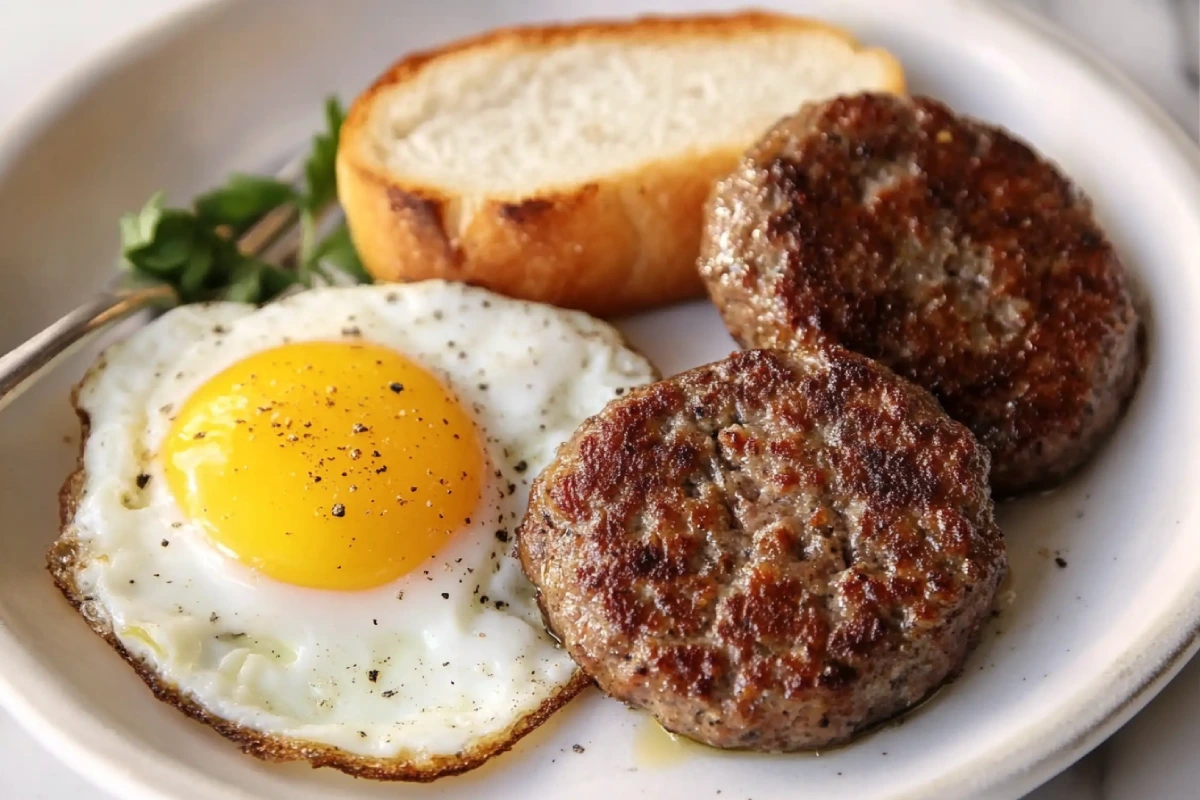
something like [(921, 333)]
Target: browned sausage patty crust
[(944, 248), (772, 552)]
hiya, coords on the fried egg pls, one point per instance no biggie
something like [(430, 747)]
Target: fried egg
[(297, 521)]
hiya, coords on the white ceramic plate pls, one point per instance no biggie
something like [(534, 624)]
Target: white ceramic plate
[(239, 83)]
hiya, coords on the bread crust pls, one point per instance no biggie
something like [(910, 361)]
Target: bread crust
[(625, 243), (64, 561)]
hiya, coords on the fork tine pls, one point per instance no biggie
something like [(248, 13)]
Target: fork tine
[(21, 367), (276, 237), (260, 235)]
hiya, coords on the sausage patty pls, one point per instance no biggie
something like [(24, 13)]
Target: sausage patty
[(773, 552), (944, 248)]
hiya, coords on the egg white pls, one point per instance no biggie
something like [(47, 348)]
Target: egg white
[(429, 665)]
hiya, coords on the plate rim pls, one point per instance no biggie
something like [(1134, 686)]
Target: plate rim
[(78, 741)]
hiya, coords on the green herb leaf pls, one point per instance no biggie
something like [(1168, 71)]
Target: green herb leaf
[(320, 171), (137, 227), (275, 280), (194, 251), (169, 245), (255, 281), (320, 175), (246, 286), (195, 274), (337, 250), (242, 201)]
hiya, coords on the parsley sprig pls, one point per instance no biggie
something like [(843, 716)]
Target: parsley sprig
[(194, 249)]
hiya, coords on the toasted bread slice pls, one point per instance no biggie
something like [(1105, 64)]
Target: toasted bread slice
[(570, 164)]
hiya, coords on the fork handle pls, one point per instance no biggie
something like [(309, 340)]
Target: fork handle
[(21, 367)]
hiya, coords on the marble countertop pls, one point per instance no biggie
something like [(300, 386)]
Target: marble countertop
[(1154, 41)]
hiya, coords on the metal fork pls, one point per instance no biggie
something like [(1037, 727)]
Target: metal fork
[(125, 296)]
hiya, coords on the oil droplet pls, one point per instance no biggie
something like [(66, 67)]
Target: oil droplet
[(658, 747), (655, 746)]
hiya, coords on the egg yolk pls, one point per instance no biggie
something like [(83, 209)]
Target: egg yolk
[(330, 465)]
